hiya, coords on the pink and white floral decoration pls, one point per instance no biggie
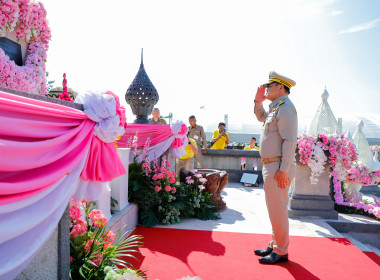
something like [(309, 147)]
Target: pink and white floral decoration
[(28, 20), (344, 168)]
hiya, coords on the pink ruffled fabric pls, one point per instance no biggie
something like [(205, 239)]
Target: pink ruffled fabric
[(40, 142), (103, 162), (156, 132), (178, 142)]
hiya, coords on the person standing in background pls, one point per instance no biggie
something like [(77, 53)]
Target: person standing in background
[(197, 133), (156, 117)]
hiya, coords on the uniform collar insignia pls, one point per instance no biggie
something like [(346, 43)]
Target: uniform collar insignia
[(280, 102)]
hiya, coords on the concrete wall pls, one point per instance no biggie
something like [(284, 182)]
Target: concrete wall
[(230, 161), (45, 263)]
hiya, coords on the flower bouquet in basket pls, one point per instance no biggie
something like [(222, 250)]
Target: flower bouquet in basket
[(201, 205), (93, 247)]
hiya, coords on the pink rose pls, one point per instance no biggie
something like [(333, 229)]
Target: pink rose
[(78, 229), (174, 190), (88, 245), (168, 188), (75, 213), (157, 188), (95, 212), (108, 239), (98, 260), (100, 220)]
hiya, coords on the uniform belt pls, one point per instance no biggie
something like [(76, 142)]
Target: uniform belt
[(268, 160)]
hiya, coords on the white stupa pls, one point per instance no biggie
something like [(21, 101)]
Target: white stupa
[(324, 120), (349, 136), (362, 146)]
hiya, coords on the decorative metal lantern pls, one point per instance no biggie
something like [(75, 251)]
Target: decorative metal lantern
[(141, 95)]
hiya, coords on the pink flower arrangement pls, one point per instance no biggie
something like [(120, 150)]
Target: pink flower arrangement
[(341, 155), (189, 180), (108, 239), (28, 20), (92, 246), (359, 174), (98, 218), (78, 229), (75, 213), (89, 244)]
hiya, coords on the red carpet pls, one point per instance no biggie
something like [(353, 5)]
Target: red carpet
[(170, 254)]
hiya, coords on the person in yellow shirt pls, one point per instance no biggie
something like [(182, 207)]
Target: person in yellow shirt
[(220, 137), (252, 146), (187, 161)]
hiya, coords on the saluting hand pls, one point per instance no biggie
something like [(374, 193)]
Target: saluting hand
[(282, 179), (260, 94)]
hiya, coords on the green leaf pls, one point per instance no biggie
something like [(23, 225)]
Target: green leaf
[(149, 218)]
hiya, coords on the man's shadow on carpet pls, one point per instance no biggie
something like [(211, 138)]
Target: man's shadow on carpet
[(174, 247)]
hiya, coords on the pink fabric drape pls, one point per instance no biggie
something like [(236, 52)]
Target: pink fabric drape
[(103, 162), (40, 142), (156, 132)]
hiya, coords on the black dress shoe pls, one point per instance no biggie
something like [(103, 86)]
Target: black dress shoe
[(273, 258), (263, 253)]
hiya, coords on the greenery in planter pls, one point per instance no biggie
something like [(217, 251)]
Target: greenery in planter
[(162, 199)]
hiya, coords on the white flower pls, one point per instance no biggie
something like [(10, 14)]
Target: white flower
[(316, 163), (201, 187)]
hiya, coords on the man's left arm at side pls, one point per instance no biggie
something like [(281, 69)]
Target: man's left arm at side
[(288, 128)]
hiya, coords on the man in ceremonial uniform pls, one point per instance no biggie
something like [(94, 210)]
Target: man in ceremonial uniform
[(156, 117), (277, 149), (197, 133)]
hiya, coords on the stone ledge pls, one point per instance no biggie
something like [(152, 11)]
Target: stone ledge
[(231, 152), (319, 214), (43, 98), (310, 202), (355, 227), (126, 219)]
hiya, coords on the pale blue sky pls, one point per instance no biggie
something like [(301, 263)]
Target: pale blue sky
[(216, 53)]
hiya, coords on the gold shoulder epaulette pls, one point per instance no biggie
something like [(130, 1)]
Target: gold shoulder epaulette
[(280, 102)]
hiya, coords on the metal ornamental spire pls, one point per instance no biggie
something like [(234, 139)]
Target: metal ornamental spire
[(141, 95)]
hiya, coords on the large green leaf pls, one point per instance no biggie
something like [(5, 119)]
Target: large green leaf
[(149, 218)]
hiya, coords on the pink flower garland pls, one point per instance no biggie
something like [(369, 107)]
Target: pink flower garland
[(341, 156), (29, 21)]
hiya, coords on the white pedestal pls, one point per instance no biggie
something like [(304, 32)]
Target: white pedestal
[(95, 191), (311, 200), (119, 186)]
